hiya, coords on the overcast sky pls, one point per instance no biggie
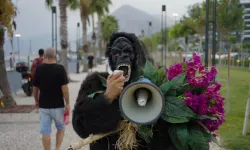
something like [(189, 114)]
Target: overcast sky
[(154, 6), (34, 18)]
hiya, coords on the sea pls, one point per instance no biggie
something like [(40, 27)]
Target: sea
[(28, 58)]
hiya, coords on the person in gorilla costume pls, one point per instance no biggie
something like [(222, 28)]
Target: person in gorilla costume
[(100, 114)]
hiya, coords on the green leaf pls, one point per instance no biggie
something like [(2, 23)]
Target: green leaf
[(145, 133), (150, 72), (184, 66), (202, 117), (179, 135), (176, 111), (165, 79), (209, 136), (176, 83), (165, 87), (104, 81), (93, 94), (160, 76), (178, 80), (202, 125), (214, 139), (172, 93), (197, 140), (180, 90)]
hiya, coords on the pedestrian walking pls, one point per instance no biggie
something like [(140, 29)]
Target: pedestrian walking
[(90, 61), (38, 61), (51, 97)]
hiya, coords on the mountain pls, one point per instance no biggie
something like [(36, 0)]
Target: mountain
[(133, 20), (130, 19)]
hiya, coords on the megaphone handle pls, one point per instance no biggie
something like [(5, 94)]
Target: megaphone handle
[(142, 97)]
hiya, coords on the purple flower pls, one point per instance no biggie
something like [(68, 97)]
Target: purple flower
[(209, 102), (196, 73), (174, 71)]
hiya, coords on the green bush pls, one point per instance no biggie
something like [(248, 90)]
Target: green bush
[(234, 62)]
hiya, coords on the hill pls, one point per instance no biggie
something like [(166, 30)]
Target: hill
[(130, 19)]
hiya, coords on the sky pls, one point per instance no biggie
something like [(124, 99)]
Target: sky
[(34, 18)]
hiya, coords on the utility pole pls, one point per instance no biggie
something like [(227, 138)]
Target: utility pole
[(30, 54)]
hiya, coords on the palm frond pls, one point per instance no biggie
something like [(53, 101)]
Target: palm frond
[(73, 4), (48, 3)]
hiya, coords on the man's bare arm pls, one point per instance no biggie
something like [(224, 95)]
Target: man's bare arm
[(36, 93), (65, 91)]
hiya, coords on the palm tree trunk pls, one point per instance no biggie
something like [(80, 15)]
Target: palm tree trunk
[(63, 32), (4, 83), (99, 35), (84, 41), (93, 30)]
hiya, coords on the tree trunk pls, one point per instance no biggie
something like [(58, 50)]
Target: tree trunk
[(63, 33), (244, 59), (8, 99), (228, 82), (209, 57), (84, 41), (99, 35), (93, 30), (220, 54), (200, 49)]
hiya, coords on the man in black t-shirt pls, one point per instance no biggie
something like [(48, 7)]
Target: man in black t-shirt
[(51, 96)]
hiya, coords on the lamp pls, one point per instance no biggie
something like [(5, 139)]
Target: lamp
[(18, 48)]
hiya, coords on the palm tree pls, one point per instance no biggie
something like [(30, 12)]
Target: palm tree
[(100, 8), (84, 13), (89, 7), (109, 25), (7, 13), (63, 4)]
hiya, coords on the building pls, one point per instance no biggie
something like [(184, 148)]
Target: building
[(246, 32)]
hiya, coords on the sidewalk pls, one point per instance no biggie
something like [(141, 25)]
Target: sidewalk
[(21, 131)]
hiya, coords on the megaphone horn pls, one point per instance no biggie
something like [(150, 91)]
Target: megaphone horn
[(142, 102)]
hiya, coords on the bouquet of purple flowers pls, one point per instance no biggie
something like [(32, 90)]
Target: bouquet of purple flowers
[(194, 107)]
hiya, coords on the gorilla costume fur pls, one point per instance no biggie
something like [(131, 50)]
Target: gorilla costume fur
[(95, 116)]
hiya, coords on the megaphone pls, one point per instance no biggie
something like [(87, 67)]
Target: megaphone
[(141, 102)]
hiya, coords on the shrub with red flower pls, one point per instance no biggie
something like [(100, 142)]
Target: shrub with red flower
[(194, 107), (208, 102)]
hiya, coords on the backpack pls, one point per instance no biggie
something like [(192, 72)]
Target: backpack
[(38, 61)]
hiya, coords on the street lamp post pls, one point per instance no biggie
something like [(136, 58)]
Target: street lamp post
[(208, 21), (165, 38), (149, 34), (78, 47), (18, 48), (163, 9)]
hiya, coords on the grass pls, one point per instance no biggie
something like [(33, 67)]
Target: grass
[(231, 131)]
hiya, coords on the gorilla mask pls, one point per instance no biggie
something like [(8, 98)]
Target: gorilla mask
[(122, 56), (127, 53)]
